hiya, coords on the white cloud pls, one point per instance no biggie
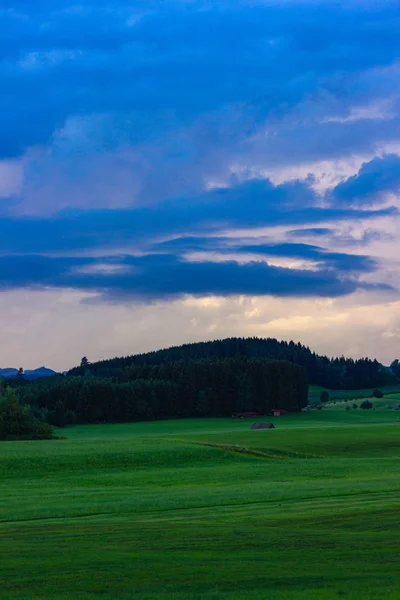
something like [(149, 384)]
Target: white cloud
[(380, 110), (56, 329), (11, 177)]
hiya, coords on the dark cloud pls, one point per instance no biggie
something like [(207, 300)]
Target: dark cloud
[(249, 205), (342, 262), (334, 237), (311, 232), (140, 107), (176, 61), (323, 258), (167, 276), (163, 272), (372, 183)]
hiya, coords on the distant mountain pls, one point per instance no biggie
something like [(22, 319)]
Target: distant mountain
[(11, 373), (8, 372)]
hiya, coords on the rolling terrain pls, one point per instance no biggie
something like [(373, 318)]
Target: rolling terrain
[(206, 509)]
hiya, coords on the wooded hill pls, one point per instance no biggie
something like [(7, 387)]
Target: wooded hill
[(210, 379), (197, 388), (335, 373)]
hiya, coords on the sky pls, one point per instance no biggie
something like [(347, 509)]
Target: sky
[(181, 170)]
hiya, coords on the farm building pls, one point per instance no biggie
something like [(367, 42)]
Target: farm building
[(278, 412), (263, 426), (245, 415)]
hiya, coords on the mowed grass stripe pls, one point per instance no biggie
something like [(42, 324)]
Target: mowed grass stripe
[(195, 556)]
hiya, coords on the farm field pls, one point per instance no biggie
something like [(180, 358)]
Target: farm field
[(206, 509)]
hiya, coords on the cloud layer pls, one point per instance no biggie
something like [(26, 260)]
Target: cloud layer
[(166, 150)]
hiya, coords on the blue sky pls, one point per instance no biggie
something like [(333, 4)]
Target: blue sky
[(173, 171)]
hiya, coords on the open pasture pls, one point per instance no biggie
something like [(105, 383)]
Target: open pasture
[(388, 402), (206, 509), (315, 391)]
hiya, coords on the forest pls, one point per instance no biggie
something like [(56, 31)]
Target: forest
[(210, 379), (182, 389), (334, 373)]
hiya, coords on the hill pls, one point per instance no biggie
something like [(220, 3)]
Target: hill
[(198, 388), (334, 373), (11, 373)]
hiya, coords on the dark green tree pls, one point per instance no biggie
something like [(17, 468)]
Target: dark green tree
[(58, 416), (324, 396), (395, 367), (366, 405), (202, 404), (17, 422), (337, 373), (204, 387)]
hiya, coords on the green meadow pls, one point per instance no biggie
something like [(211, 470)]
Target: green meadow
[(315, 391), (389, 401), (206, 509)]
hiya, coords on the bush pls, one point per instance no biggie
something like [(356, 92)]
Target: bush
[(377, 393), (18, 423), (355, 406), (366, 405), (348, 408)]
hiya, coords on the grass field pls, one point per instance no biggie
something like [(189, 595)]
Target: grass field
[(389, 401), (206, 509), (315, 391)]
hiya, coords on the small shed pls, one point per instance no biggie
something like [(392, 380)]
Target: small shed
[(278, 412), (263, 426), (245, 415)]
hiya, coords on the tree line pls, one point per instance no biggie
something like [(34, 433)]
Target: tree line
[(334, 373), (210, 379), (17, 421), (183, 389)]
